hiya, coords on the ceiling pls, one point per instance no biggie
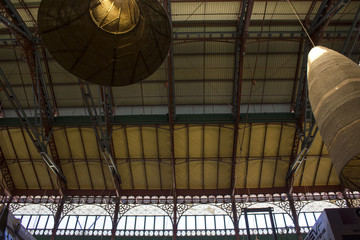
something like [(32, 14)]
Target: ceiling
[(222, 112)]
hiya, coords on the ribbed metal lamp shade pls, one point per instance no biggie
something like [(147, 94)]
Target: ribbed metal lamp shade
[(107, 42), (334, 92)]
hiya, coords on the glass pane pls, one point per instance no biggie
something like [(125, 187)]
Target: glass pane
[(302, 221), (242, 223), (140, 222), (289, 222), (159, 223), (121, 224), (260, 218), (168, 223), (268, 221), (81, 222), (42, 222), (33, 222), (252, 221), (108, 223), (63, 222), (210, 222), (72, 222), (90, 222), (229, 223), (200, 222), (279, 219), (310, 219), (100, 222), (50, 224), (130, 223), (190, 222), (25, 220), (149, 223), (219, 220)]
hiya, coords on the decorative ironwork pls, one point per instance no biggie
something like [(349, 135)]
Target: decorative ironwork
[(168, 208), (227, 207), (123, 208)]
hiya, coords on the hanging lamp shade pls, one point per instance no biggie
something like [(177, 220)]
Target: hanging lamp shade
[(334, 93), (107, 42)]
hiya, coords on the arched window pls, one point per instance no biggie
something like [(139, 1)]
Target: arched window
[(145, 220), (37, 218), (88, 220), (205, 220), (311, 212)]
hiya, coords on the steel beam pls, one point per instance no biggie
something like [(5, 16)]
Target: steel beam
[(350, 35), (306, 129), (101, 123), (242, 28), (180, 192), (41, 135), (40, 141)]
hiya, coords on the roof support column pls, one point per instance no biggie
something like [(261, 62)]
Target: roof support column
[(115, 219), (243, 25), (294, 214), (57, 217), (172, 113)]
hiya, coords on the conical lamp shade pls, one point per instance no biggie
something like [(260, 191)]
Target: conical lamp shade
[(107, 42), (334, 93)]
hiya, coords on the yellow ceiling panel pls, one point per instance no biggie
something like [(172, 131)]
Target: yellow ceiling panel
[(243, 140), (210, 174), (224, 180), (282, 168), (149, 137), (305, 175), (226, 140), (181, 141), (61, 143), (17, 176), (257, 140), (30, 147), (6, 146), (138, 172), (211, 143), (17, 138), (153, 174), (267, 173), (44, 175), (90, 143), (196, 141), (253, 173), (196, 174), (326, 173), (166, 174), (97, 177), (134, 142), (240, 174), (287, 138), (334, 179), (272, 140), (125, 171), (75, 143), (82, 172), (164, 142), (29, 175), (71, 175), (120, 142), (182, 169)]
